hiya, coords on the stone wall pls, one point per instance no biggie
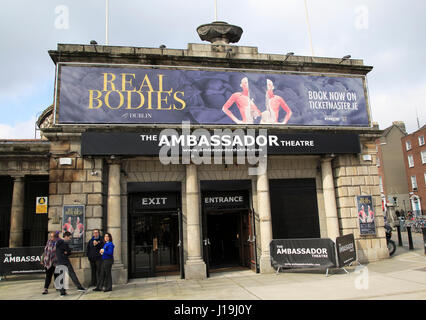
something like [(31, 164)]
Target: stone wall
[(354, 177), (77, 184)]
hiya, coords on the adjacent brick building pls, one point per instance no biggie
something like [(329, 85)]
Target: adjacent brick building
[(414, 148)]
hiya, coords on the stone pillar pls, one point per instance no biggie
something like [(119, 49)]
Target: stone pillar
[(329, 199), (195, 268), (264, 209), (114, 220), (17, 213)]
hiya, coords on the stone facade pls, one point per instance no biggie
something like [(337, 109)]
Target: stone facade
[(101, 183)]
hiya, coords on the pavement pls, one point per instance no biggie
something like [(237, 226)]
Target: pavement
[(401, 277)]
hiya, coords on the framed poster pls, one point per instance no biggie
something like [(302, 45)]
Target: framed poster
[(366, 215), (73, 221)]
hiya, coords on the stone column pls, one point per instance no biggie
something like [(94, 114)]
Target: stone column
[(119, 274), (17, 213), (195, 268), (114, 209), (264, 209), (329, 199)]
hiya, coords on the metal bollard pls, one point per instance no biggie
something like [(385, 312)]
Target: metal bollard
[(410, 239), (424, 237), (398, 229)]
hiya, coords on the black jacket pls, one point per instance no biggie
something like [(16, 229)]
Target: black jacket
[(92, 252), (63, 251)]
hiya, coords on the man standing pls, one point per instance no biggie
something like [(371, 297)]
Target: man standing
[(273, 105), (248, 109), (63, 251), (93, 253)]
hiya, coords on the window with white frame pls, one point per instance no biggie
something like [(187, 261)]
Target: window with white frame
[(378, 161), (421, 140), (413, 182), (408, 145), (381, 183), (425, 178), (423, 154), (410, 161)]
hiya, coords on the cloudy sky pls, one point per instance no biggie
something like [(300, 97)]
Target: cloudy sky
[(388, 35)]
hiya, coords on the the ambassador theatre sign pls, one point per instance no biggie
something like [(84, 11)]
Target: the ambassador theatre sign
[(101, 94)]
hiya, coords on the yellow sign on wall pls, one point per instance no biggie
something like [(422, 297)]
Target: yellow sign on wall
[(41, 205)]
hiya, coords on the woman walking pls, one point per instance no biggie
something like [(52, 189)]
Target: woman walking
[(107, 252), (50, 260)]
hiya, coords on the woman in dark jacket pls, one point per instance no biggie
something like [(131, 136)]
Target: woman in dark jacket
[(107, 253), (50, 260)]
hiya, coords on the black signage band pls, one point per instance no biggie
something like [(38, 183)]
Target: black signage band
[(149, 144)]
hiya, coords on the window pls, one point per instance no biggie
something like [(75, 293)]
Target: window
[(423, 155), (421, 140), (413, 182), (408, 145), (378, 161), (381, 183), (425, 178), (410, 161)]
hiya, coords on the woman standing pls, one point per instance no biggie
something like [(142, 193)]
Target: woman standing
[(49, 260), (107, 252)]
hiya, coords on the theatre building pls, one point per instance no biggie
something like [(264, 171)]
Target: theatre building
[(121, 143)]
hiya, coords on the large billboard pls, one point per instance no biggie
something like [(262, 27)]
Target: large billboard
[(104, 94)]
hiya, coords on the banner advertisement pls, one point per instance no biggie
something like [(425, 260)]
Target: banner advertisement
[(303, 253), (20, 260), (366, 215), (103, 94), (73, 220), (346, 251), (150, 144), (41, 205)]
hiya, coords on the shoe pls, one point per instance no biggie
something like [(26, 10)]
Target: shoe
[(81, 289), (45, 291), (63, 293), (107, 290), (96, 289)]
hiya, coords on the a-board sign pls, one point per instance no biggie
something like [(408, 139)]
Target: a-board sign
[(346, 251), (20, 260), (303, 253)]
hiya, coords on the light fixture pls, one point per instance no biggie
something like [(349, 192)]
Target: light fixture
[(345, 58), (288, 54)]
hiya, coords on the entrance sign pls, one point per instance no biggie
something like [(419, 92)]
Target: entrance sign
[(302, 253), (104, 94), (366, 216), (41, 205), (346, 252), (73, 220), (20, 260), (225, 200), (150, 143)]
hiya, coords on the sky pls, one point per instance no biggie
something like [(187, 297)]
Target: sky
[(388, 35)]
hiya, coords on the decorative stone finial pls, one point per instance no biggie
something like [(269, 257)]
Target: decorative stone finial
[(219, 32)]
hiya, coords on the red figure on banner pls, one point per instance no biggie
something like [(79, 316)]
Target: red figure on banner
[(273, 105), (362, 215), (67, 226), (79, 229), (247, 108)]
